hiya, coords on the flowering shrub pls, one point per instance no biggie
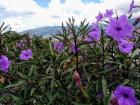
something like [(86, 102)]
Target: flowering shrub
[(97, 64)]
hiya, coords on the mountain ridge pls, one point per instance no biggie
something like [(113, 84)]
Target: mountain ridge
[(43, 31), (52, 30)]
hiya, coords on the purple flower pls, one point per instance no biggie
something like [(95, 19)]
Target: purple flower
[(74, 48), (20, 44), (99, 17), (125, 46), (95, 33), (125, 95), (26, 55), (88, 39), (109, 13), (58, 46), (4, 63), (119, 28)]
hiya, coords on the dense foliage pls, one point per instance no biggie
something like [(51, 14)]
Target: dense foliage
[(81, 65)]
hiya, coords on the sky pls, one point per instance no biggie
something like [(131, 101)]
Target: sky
[(28, 14)]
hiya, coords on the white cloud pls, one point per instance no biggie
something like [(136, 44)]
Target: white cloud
[(25, 14), (19, 5)]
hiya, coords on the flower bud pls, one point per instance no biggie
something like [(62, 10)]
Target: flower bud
[(77, 78), (114, 101)]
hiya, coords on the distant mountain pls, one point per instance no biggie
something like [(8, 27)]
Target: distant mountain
[(51, 30), (43, 31)]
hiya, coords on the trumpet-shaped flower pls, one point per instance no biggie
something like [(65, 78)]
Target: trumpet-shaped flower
[(20, 44), (125, 46), (4, 63), (119, 28), (99, 17), (95, 33), (125, 95), (109, 13), (26, 54), (58, 46)]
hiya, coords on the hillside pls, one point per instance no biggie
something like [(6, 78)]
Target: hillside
[(43, 31), (51, 30)]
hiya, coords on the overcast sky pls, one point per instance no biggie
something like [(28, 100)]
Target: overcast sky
[(27, 14)]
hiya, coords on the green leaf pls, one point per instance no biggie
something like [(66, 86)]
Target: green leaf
[(104, 86), (20, 82), (135, 53), (43, 80), (78, 103), (31, 70), (51, 99), (32, 91)]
